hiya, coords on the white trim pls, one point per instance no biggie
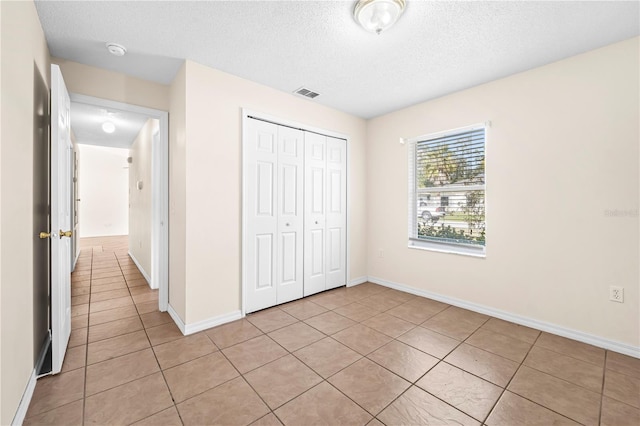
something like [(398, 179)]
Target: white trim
[(176, 318), (246, 113), (347, 248), (21, 412), (140, 268), (159, 190), (450, 132), (245, 214), (356, 281), (195, 327), (569, 333), (450, 248), (479, 251), (212, 322)]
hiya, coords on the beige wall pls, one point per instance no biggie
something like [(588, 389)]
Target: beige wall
[(115, 86), (140, 199), (104, 191), (177, 193), (562, 152), (23, 44), (212, 191)]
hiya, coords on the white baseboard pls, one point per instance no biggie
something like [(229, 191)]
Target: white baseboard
[(580, 336), (195, 327), (142, 271), (356, 281), (176, 318), (18, 419)]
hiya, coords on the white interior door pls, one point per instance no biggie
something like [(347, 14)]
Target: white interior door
[(261, 150), (61, 150), (314, 207), (290, 214), (336, 216)]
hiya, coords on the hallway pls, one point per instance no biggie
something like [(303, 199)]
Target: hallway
[(115, 322)]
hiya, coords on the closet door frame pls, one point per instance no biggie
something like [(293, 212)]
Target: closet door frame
[(248, 114)]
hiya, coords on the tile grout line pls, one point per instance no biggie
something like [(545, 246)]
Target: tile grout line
[(86, 352), (414, 383), (86, 366), (510, 380), (571, 356), (299, 321), (531, 345), (173, 401), (311, 368), (243, 378), (528, 399), (366, 357), (604, 373)]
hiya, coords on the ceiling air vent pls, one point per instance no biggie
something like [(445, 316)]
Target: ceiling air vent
[(306, 93)]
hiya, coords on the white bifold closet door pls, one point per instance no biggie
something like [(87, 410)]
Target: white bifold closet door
[(275, 215), (325, 210)]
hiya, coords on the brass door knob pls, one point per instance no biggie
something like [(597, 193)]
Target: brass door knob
[(65, 233), (44, 235)]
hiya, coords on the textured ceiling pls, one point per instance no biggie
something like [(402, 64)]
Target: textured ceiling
[(87, 125), (434, 49)]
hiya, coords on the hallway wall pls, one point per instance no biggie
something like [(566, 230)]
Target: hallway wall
[(22, 45), (140, 200), (104, 191), (91, 81)]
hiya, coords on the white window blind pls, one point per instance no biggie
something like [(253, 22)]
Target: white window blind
[(447, 191)]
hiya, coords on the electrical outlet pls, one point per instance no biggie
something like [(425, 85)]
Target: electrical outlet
[(380, 253), (616, 294)]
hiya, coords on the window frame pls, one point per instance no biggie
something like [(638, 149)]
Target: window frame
[(440, 246)]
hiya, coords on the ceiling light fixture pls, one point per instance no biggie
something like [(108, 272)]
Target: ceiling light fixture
[(116, 49), (378, 15), (108, 127)]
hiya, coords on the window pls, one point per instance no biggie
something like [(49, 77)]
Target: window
[(447, 191)]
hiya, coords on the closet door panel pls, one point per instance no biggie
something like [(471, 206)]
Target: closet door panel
[(336, 215), (315, 208), (262, 219), (290, 214)]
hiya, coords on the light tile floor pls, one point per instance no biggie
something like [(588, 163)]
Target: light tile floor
[(350, 356)]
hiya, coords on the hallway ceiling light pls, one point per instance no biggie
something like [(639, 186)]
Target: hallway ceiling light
[(108, 127), (116, 49), (378, 15)]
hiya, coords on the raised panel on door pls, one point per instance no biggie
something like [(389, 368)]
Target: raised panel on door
[(336, 216), (290, 212), (261, 222), (315, 209), (264, 245)]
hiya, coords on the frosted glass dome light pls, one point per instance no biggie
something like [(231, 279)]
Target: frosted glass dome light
[(108, 127), (378, 15)]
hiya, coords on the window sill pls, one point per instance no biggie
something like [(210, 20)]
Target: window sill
[(478, 252)]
